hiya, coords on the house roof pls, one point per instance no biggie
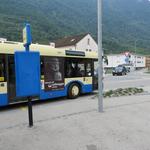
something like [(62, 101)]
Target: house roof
[(69, 41)]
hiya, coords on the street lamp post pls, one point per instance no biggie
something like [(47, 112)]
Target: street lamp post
[(100, 59)]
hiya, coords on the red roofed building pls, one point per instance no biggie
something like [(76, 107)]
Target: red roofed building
[(83, 42)]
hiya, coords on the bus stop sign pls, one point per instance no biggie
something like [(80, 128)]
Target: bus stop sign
[(27, 68), (27, 39)]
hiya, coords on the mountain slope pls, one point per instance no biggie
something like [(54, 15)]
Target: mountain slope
[(124, 21), (127, 21), (49, 19)]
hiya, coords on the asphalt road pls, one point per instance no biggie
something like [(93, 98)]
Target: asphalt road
[(133, 79)]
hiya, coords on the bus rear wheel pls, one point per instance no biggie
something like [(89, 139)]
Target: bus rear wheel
[(73, 91)]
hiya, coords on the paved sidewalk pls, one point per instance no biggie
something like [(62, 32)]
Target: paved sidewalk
[(76, 125)]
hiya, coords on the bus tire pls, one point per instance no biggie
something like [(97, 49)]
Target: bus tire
[(73, 91)]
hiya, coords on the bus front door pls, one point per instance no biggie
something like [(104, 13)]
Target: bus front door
[(11, 79)]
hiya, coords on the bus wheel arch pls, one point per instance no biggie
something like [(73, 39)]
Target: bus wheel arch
[(74, 90)]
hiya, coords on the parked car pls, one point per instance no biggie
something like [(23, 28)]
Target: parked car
[(129, 67), (119, 70)]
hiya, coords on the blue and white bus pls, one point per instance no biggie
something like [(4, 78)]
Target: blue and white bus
[(63, 72)]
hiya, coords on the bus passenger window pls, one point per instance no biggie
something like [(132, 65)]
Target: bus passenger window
[(75, 68), (2, 74), (80, 70), (69, 69)]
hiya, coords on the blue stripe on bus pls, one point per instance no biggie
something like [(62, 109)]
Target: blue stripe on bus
[(52, 94), (60, 93), (87, 88), (3, 99)]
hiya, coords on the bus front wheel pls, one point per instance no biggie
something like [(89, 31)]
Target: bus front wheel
[(73, 91)]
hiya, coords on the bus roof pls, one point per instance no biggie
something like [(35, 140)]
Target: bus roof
[(10, 47)]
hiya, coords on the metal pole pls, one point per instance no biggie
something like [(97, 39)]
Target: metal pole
[(30, 114), (135, 52), (100, 60)]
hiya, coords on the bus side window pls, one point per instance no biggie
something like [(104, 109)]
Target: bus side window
[(69, 69), (80, 69), (2, 69), (74, 68)]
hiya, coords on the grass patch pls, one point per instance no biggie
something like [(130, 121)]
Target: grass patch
[(122, 92)]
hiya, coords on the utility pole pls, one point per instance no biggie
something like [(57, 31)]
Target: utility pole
[(135, 52), (100, 59)]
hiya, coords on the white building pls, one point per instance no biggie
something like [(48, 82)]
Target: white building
[(83, 42), (3, 39), (136, 61)]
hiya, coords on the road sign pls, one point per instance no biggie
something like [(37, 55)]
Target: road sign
[(27, 39), (27, 73), (27, 69)]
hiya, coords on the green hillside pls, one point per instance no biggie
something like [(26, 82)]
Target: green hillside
[(124, 21)]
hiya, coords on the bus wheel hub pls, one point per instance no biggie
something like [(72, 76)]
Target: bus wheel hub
[(75, 90)]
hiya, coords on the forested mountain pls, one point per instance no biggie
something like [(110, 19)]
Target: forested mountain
[(127, 21), (124, 21)]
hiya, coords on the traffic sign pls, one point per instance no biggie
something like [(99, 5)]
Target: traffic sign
[(27, 39), (27, 73)]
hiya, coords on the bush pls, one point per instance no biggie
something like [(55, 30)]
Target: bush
[(123, 92)]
